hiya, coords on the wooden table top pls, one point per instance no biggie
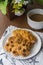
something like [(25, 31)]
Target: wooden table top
[(19, 22)]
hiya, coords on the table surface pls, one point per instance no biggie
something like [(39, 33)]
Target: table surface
[(19, 22)]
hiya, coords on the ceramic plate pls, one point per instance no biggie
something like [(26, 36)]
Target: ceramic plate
[(34, 50)]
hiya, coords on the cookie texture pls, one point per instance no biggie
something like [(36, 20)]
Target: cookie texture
[(20, 43)]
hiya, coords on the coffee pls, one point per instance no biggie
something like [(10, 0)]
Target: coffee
[(37, 17)]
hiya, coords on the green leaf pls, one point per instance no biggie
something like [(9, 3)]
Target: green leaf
[(20, 4), (16, 6), (3, 6)]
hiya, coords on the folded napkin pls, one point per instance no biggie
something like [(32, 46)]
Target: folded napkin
[(5, 60)]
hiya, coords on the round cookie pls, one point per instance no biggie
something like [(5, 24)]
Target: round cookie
[(20, 43), (11, 39), (24, 41), (16, 32), (25, 34), (25, 52), (14, 51), (19, 49), (7, 47), (33, 39)]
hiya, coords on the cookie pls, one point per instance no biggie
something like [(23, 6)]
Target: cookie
[(21, 43), (14, 51), (25, 52), (7, 47)]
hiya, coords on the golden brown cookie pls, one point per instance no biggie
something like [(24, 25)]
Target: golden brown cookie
[(7, 47), (25, 52), (16, 32), (19, 49), (21, 43), (11, 39), (14, 51)]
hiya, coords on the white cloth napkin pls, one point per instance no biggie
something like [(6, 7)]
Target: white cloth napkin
[(5, 60)]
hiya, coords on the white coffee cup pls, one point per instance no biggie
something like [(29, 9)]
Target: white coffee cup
[(34, 24)]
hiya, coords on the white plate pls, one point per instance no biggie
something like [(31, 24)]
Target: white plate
[(34, 50)]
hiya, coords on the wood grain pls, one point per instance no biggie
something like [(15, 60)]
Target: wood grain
[(19, 22)]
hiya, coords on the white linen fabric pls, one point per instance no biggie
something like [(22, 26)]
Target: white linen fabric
[(5, 60)]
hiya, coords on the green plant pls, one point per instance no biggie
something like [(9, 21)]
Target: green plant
[(17, 5), (3, 4)]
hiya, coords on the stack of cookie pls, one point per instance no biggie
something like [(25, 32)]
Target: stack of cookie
[(20, 43)]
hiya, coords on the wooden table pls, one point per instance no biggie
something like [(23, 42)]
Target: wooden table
[(19, 22)]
